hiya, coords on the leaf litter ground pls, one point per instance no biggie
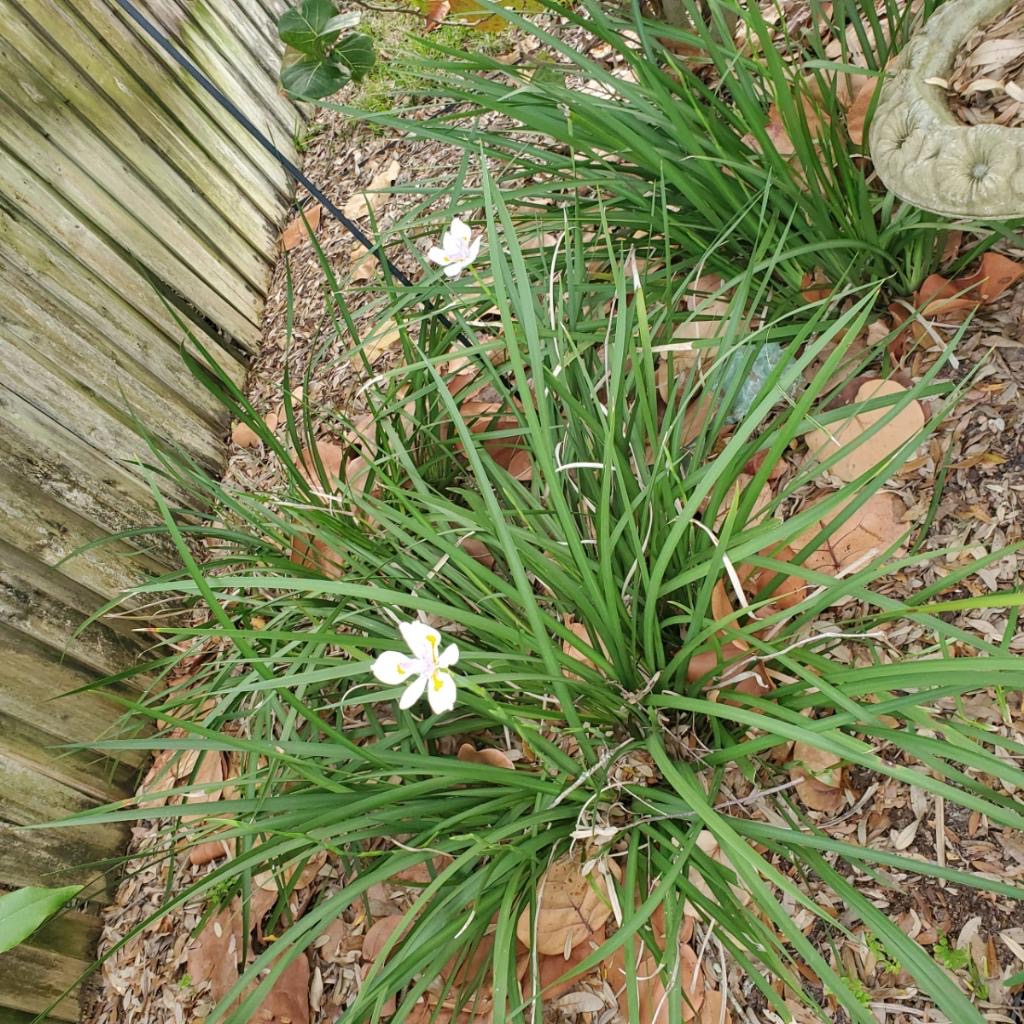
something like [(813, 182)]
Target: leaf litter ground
[(167, 974)]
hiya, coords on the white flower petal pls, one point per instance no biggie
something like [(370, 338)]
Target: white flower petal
[(474, 249), (441, 692), (423, 640), (460, 232), (393, 667), (449, 656), (454, 269), (413, 692), (438, 255)]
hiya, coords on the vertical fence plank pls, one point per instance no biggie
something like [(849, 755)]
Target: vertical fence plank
[(135, 215)]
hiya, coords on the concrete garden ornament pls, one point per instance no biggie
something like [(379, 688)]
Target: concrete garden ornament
[(920, 150)]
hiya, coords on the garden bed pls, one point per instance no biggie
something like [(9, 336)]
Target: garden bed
[(961, 490)]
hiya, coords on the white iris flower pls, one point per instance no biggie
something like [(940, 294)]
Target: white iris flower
[(424, 669), (457, 250)]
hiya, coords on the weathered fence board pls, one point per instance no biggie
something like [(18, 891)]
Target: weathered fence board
[(134, 213)]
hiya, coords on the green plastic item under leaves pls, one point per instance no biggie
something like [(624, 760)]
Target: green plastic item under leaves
[(756, 374)]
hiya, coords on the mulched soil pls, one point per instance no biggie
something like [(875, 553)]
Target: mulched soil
[(986, 84), (980, 443)]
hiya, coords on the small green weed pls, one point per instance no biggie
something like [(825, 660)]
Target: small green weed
[(954, 959), (305, 133), (856, 986), (950, 957), (884, 961)]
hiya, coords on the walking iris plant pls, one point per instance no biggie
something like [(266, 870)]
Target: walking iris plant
[(568, 500)]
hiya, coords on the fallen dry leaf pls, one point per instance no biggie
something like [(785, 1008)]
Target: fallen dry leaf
[(734, 669), (994, 276), (678, 359), (378, 935), (288, 1001), (213, 850), (581, 632), (789, 591), (295, 232), (735, 492), (818, 775), (715, 1009), (468, 978), (708, 844), (331, 457), (570, 908), (856, 115), (552, 968), (380, 898), (332, 943), (952, 301), (868, 451), (650, 984), (435, 14), (362, 265), (381, 342), (210, 767), (288, 875), (244, 436), (339, 463), (870, 530), (815, 288), (486, 755), (429, 1013), (509, 451), (212, 956), (419, 874), (479, 550), (362, 203)]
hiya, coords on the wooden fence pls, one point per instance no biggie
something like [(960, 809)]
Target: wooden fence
[(126, 193)]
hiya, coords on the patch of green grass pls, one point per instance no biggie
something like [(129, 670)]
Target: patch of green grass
[(305, 133), (399, 39)]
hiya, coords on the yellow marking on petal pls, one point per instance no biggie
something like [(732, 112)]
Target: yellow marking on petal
[(438, 682)]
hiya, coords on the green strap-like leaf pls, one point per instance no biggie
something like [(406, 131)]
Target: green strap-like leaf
[(24, 910)]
